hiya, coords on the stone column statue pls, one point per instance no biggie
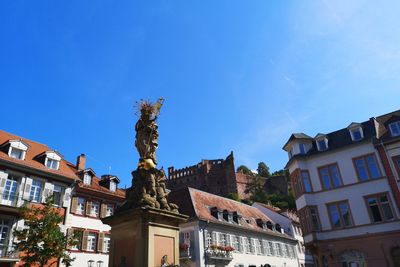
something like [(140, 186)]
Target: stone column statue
[(148, 183)]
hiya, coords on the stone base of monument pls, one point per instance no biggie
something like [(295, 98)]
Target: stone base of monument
[(144, 237)]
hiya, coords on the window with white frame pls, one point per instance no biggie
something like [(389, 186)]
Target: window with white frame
[(356, 134), (91, 242), (221, 239), (208, 240), (16, 153), (271, 248), (214, 238), (110, 210), (395, 128), (36, 190), (52, 163), (242, 247), (322, 144), (4, 230), (258, 247), (247, 245), (80, 208), (278, 250), (58, 193), (106, 243), (236, 243), (94, 209), (113, 186), (87, 179)]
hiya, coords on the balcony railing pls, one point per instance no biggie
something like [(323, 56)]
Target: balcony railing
[(218, 255), (8, 252)]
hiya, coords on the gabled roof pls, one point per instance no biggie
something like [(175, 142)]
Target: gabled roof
[(197, 204), (353, 125), (297, 136), (383, 122), (96, 187), (66, 169)]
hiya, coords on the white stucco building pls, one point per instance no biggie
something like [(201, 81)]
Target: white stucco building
[(345, 198), (92, 199), (289, 222), (224, 232), (29, 173)]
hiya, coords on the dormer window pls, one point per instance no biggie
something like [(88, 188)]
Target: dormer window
[(356, 131), (322, 142), (395, 128), (356, 134), (52, 160), (303, 148), (17, 149), (52, 164), (113, 186), (87, 179), (16, 153)]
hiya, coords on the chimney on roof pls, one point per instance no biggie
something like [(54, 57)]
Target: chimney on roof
[(81, 162)]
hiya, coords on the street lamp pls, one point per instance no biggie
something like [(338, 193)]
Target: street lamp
[(90, 263), (100, 263)]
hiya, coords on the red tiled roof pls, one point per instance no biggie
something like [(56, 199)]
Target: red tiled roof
[(198, 204), (66, 168), (95, 186), (270, 207)]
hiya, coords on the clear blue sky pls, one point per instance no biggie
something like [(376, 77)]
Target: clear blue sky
[(236, 75)]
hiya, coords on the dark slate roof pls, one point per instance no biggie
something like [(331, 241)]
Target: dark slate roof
[(339, 139), (297, 136), (384, 122)]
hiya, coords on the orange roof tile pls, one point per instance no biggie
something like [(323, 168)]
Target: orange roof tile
[(66, 168), (95, 186)]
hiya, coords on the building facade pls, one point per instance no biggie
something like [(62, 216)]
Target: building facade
[(92, 199), (224, 232), (290, 223), (346, 199), (29, 173)]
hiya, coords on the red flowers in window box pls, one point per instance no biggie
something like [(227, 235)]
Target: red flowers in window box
[(229, 248)]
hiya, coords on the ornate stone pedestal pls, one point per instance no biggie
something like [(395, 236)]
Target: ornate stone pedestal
[(142, 237)]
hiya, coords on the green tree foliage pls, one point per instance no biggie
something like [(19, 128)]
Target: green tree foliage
[(255, 188), (42, 240), (234, 196), (263, 170), (284, 172), (243, 169)]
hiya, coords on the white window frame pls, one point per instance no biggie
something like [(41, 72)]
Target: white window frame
[(394, 128), (356, 129), (95, 209), (106, 243), (325, 140), (81, 206), (34, 188), (61, 194), (113, 186), (109, 210), (52, 163), (17, 145), (87, 178), (91, 241)]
